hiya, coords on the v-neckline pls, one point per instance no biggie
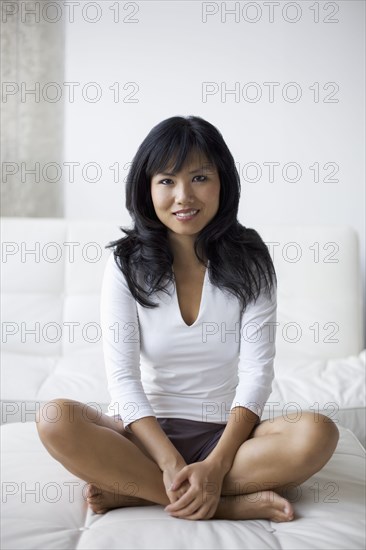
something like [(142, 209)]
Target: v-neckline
[(201, 300)]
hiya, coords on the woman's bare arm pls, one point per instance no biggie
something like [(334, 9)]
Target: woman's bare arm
[(166, 456), (237, 430), (157, 443)]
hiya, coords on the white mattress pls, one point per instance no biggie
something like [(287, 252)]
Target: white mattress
[(40, 511)]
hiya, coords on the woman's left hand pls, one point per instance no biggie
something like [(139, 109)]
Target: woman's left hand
[(202, 498)]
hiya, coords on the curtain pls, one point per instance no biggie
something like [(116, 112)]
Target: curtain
[(32, 58)]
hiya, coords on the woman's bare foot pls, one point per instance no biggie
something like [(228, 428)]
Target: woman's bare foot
[(260, 505), (101, 501)]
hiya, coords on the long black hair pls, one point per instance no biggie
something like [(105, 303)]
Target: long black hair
[(239, 260)]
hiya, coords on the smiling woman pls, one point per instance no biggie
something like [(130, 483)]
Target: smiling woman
[(184, 164), (183, 424)]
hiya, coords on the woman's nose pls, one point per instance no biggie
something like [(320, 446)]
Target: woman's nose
[(184, 192)]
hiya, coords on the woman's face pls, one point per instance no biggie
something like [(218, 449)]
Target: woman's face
[(195, 189)]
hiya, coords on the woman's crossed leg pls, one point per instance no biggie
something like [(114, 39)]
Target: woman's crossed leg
[(280, 453)]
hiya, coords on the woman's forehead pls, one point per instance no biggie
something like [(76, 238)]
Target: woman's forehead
[(193, 160)]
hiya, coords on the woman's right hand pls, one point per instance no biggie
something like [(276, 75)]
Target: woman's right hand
[(169, 473)]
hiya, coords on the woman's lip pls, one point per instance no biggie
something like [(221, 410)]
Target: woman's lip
[(186, 217), (186, 211)]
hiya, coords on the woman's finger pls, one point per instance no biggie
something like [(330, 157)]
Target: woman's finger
[(200, 513), (192, 508), (181, 490), (183, 501), (173, 497), (179, 478)]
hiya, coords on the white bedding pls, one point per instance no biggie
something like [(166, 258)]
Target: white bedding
[(41, 511), (337, 386)]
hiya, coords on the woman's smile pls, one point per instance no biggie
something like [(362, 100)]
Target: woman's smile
[(186, 215)]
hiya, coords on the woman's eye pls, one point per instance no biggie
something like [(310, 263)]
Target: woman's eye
[(167, 181)]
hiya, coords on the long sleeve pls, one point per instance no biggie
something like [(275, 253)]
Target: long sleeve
[(121, 347), (257, 353)]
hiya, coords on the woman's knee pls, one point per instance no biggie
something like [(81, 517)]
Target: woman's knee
[(317, 434), (59, 419), (328, 432)]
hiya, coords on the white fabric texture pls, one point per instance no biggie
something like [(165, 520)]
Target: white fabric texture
[(159, 366)]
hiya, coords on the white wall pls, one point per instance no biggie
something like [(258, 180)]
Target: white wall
[(169, 52)]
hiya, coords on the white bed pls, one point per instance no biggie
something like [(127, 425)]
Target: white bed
[(319, 306)]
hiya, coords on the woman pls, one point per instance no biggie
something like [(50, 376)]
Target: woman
[(188, 311)]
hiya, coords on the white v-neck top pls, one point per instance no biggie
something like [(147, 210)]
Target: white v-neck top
[(157, 365)]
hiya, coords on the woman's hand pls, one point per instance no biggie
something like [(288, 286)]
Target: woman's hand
[(200, 501), (169, 474)]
